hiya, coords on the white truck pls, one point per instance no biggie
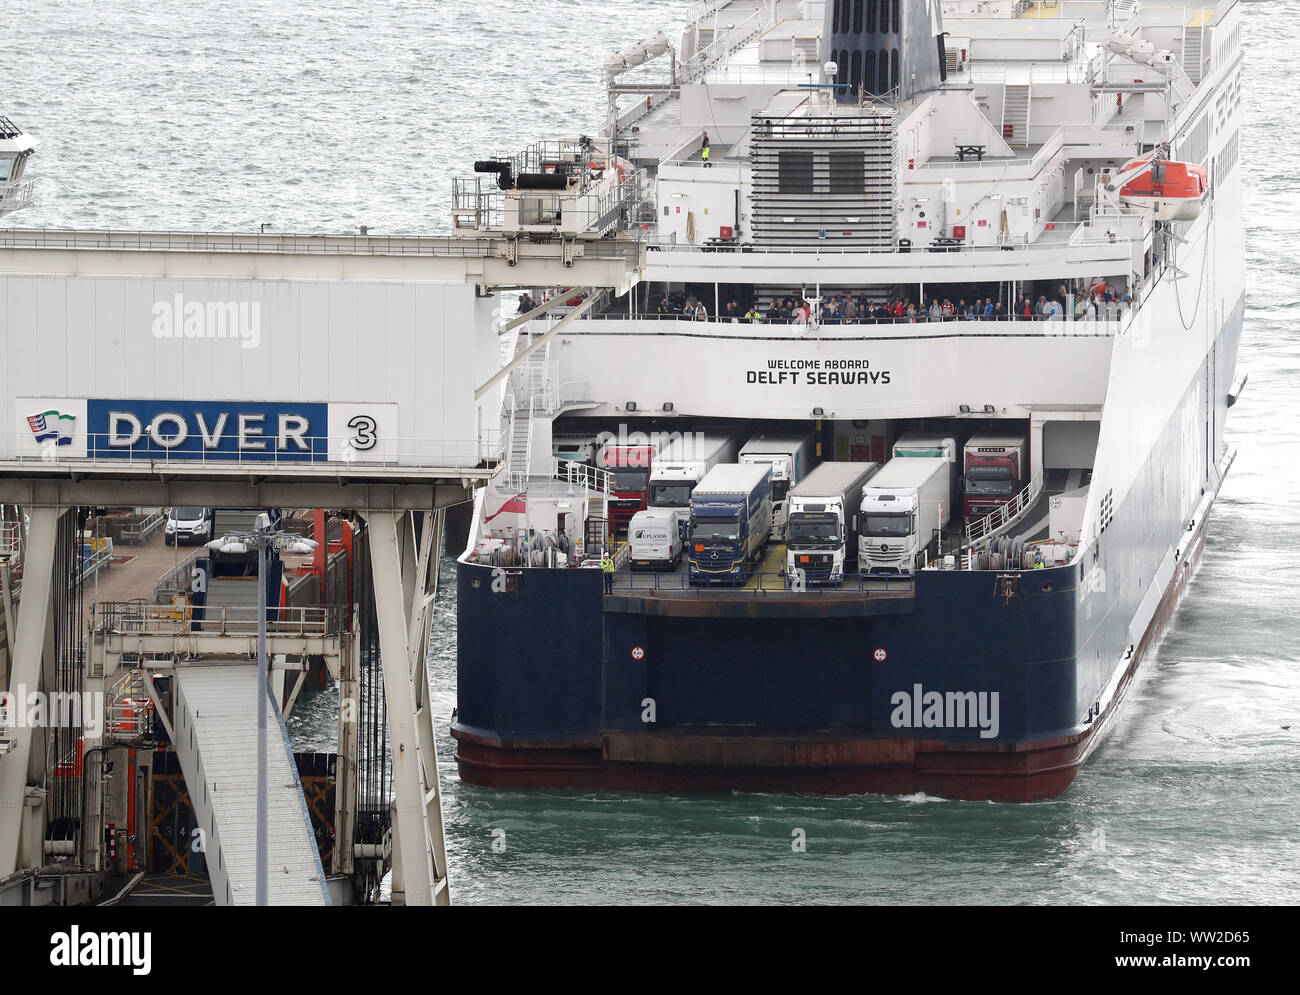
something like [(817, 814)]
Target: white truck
[(682, 464), (654, 538), (926, 444), (904, 508), (790, 457), (821, 528)]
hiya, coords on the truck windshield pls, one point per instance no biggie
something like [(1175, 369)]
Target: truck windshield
[(887, 525), (187, 514), (670, 495), (806, 530), (628, 480), (716, 530), (989, 473)]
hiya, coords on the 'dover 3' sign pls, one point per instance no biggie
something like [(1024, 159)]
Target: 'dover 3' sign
[(215, 430)]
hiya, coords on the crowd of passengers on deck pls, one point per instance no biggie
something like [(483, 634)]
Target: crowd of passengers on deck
[(1099, 301)]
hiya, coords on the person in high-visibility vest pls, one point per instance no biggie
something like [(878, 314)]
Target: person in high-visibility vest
[(704, 154), (607, 568)]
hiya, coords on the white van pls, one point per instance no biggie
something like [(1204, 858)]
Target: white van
[(654, 540), (187, 525)]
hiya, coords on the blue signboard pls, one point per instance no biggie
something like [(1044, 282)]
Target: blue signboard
[(208, 430)]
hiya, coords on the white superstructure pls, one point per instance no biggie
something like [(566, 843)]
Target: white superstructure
[(870, 218)]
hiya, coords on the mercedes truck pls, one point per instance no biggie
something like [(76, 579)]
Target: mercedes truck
[(731, 520), (904, 509), (821, 529)]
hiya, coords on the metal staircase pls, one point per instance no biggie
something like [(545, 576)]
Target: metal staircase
[(1015, 115), (521, 442), (1193, 53)]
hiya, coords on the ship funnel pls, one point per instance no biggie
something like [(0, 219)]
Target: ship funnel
[(891, 49)]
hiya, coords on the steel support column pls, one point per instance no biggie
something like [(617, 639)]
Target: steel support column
[(28, 644), (401, 609)]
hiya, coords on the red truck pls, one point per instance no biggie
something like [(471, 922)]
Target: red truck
[(994, 471), (630, 486)]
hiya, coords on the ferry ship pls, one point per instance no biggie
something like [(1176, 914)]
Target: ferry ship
[(988, 250)]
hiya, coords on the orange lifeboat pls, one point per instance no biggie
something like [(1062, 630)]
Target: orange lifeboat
[(1174, 191)]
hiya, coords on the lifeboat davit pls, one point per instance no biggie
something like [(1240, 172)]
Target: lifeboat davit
[(1173, 191)]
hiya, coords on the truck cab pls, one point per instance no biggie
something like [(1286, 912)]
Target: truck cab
[(903, 512), (887, 533), (629, 468), (821, 539), (815, 544), (994, 473), (731, 520)]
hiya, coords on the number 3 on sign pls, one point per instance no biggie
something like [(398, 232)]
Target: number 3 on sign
[(365, 435)]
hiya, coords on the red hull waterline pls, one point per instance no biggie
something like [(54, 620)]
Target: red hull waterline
[(814, 763)]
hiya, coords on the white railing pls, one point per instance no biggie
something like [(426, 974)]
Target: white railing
[(287, 244), (576, 474), (100, 557), (723, 45), (17, 195), (11, 539), (138, 618), (141, 532), (521, 421), (528, 447), (702, 9), (127, 707), (492, 444), (538, 380), (994, 522), (177, 579), (687, 146), (572, 391), (108, 452)]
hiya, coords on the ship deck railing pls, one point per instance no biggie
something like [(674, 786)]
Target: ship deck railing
[(14, 196), (1053, 236), (1106, 324), (757, 584), (286, 244)]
